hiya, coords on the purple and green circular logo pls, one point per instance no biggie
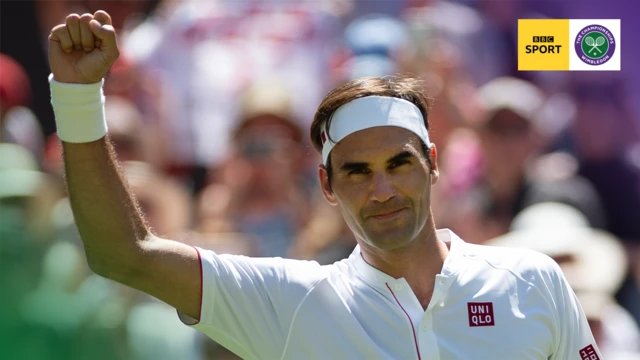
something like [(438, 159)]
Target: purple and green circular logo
[(595, 45)]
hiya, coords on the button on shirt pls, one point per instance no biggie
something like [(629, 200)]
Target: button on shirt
[(488, 303)]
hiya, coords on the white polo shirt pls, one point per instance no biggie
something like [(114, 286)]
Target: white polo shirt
[(488, 303)]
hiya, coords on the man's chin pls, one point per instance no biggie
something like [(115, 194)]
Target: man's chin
[(390, 240)]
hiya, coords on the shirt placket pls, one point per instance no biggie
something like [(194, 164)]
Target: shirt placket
[(408, 303), (427, 341)]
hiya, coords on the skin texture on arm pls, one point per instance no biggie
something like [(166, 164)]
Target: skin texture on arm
[(118, 243)]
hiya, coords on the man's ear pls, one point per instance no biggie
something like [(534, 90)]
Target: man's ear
[(326, 186), (433, 162)]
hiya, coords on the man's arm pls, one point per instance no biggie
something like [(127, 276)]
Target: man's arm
[(118, 243), (575, 340)]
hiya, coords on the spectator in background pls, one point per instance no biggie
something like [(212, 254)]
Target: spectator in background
[(246, 40), (18, 124), (374, 45), (557, 171), (127, 125), (142, 96), (593, 261), (514, 124), (485, 31), (14, 85), (457, 26), (602, 137), (438, 62), (260, 189)]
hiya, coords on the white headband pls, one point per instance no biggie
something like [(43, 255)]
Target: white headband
[(372, 111)]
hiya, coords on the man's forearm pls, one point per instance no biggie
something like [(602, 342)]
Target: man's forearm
[(107, 216), (118, 244)]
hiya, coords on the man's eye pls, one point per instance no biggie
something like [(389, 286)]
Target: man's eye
[(358, 171), (395, 164)]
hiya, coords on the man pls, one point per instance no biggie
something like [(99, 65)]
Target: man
[(408, 291)]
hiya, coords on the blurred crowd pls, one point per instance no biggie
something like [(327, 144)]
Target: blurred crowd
[(209, 107)]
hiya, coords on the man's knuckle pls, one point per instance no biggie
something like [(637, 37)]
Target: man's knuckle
[(114, 55)]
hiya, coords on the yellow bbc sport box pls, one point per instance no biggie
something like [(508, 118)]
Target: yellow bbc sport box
[(568, 44), (543, 44)]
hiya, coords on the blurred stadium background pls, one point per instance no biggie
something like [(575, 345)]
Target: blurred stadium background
[(209, 107)]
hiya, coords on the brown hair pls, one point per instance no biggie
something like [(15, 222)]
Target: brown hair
[(400, 86)]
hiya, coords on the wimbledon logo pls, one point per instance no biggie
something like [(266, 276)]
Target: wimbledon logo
[(595, 45)]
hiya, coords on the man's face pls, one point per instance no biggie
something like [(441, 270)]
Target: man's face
[(382, 184)]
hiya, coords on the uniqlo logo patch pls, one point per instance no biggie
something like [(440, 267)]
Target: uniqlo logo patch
[(589, 353), (481, 314)]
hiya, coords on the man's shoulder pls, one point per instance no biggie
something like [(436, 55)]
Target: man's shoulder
[(293, 272), (526, 264)]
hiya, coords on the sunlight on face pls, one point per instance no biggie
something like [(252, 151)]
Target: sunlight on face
[(382, 184)]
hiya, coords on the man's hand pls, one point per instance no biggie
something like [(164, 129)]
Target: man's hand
[(83, 49)]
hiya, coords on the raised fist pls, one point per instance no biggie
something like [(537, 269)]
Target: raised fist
[(83, 48)]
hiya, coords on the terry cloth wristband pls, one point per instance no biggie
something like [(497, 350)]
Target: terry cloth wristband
[(79, 111)]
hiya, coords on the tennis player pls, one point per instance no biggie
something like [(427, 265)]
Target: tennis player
[(408, 291)]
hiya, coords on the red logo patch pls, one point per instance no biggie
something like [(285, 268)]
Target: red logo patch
[(324, 137), (589, 353), (481, 314)]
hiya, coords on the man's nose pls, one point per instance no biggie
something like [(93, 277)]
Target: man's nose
[(382, 188)]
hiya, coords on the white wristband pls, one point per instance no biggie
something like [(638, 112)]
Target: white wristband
[(79, 111)]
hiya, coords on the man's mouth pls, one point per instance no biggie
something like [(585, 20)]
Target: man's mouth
[(387, 215)]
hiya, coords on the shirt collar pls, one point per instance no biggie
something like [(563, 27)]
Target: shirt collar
[(450, 267)]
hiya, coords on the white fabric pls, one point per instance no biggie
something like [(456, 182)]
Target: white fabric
[(79, 111), (272, 308), (372, 111)]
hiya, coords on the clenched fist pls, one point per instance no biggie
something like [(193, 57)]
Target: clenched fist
[(83, 48)]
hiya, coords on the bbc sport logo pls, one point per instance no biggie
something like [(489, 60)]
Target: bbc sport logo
[(569, 44)]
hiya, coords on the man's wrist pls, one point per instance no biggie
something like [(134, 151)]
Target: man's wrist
[(79, 110)]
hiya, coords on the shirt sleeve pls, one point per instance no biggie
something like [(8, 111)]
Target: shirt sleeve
[(247, 304), (575, 340)]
